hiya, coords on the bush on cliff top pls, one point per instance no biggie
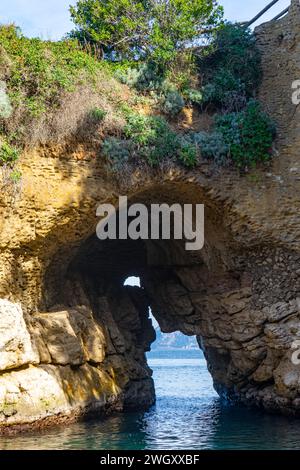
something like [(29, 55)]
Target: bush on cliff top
[(38, 71), (243, 138), (149, 138), (249, 135), (231, 63), (143, 29)]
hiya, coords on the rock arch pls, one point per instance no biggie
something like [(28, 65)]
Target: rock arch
[(85, 335), (73, 337)]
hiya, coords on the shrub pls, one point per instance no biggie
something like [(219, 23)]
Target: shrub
[(212, 146), (163, 144), (127, 75), (193, 96), (182, 71), (223, 84), (188, 154), (149, 138), (40, 70), (98, 114), (230, 67), (117, 151), (249, 135), (234, 101), (8, 154), (143, 29), (243, 137), (140, 129), (15, 176), (152, 135), (171, 102), (146, 76), (231, 63)]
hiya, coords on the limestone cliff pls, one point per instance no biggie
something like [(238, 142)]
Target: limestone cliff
[(73, 339)]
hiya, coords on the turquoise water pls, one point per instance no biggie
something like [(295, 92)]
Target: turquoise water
[(188, 415)]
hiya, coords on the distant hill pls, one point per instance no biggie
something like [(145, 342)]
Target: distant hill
[(173, 341)]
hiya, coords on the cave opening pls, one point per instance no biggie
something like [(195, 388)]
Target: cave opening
[(204, 294), (171, 355), (175, 286), (166, 343)]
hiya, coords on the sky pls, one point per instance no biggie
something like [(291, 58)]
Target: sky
[(50, 19), (135, 281)]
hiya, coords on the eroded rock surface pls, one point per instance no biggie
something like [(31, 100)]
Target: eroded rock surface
[(16, 349), (60, 365)]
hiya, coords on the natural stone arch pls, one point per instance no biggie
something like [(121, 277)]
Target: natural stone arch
[(242, 293), (89, 333), (227, 294)]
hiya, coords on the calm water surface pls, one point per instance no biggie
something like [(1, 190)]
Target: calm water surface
[(188, 415)]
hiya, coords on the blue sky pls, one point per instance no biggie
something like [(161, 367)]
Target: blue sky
[(50, 19)]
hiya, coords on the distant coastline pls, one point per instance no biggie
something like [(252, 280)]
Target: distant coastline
[(175, 341), (175, 354), (187, 348)]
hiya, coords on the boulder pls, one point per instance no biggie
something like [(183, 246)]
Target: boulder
[(16, 347)]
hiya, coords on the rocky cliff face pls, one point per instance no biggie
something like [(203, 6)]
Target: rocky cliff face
[(73, 338)]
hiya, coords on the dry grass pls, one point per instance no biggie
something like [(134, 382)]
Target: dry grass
[(72, 119)]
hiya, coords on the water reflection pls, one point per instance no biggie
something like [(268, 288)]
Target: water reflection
[(188, 415), (240, 428)]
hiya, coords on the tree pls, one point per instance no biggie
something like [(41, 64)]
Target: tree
[(143, 29)]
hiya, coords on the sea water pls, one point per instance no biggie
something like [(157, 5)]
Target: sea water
[(188, 415)]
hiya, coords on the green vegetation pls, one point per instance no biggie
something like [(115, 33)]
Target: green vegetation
[(157, 48), (222, 75), (144, 77), (249, 135), (148, 78), (149, 138), (8, 158), (8, 154), (211, 145), (34, 76), (230, 67), (15, 176), (230, 74), (143, 29), (98, 114), (38, 71), (171, 101), (244, 138)]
